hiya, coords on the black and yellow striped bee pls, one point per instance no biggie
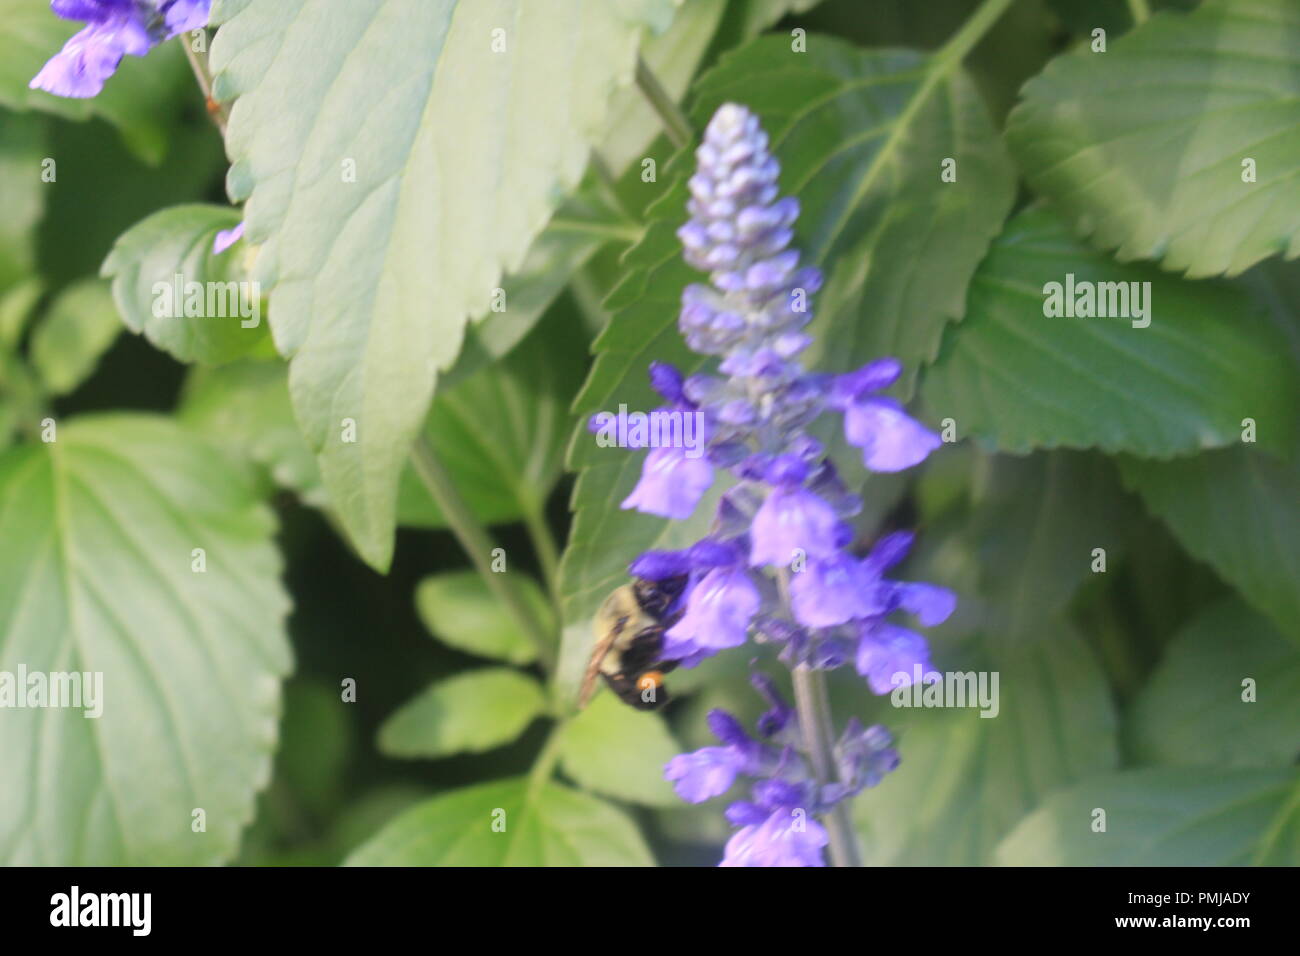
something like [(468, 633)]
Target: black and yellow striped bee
[(629, 630)]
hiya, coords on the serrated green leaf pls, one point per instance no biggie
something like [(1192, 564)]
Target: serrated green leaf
[(854, 131), (1142, 146), (373, 276), (472, 712), (501, 431), (1018, 379), (1192, 711), (72, 337), (1165, 817), (965, 780), (507, 823), (619, 752), (169, 286), (1239, 511), (244, 407), (96, 575), (459, 610)]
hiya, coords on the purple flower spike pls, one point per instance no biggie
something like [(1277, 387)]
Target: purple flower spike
[(114, 28)]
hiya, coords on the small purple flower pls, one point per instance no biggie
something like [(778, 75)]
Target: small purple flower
[(888, 655), (227, 238), (671, 484), (831, 591), (791, 521), (787, 837), (719, 609), (113, 29)]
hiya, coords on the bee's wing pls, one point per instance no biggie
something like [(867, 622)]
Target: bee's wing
[(598, 655)]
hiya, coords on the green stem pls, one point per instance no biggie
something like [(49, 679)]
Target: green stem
[(548, 552), (676, 125), (478, 545), (547, 758), (219, 112), (1140, 11), (972, 31), (814, 712)]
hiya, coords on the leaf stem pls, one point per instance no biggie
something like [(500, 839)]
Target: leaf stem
[(548, 552), (547, 758), (478, 544), (676, 125), (219, 112), (972, 31), (1140, 11)]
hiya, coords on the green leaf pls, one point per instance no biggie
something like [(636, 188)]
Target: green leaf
[(22, 194), (155, 267), (1142, 146), (473, 712), (1165, 817), (142, 99), (579, 228), (244, 407), (1239, 511), (861, 135), (79, 328), (1034, 532), (459, 610), (858, 134), (96, 575), (501, 431), (619, 752), (507, 823), (17, 306), (460, 156), (1018, 379), (965, 780), (1192, 711)]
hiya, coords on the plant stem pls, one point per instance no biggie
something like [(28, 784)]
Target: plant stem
[(547, 757), (219, 112), (548, 553), (676, 125), (1140, 11), (478, 545), (814, 712), (972, 31)]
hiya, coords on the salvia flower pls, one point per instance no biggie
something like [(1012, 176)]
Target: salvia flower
[(113, 29), (778, 564)]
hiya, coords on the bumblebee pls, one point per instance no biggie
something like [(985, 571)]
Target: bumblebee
[(629, 630)]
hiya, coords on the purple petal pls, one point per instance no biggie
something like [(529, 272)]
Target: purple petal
[(888, 655), (890, 440), (228, 237), (791, 520), (930, 603), (671, 484), (832, 591), (786, 838), (718, 612), (706, 773)]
